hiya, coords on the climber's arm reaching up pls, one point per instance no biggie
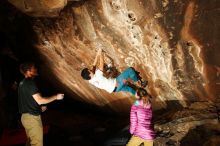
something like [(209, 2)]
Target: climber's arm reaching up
[(101, 61), (94, 65), (96, 59)]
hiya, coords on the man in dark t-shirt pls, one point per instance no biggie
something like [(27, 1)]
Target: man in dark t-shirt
[(26, 102), (29, 103)]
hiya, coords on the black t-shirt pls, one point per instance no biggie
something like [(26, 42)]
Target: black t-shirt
[(26, 102)]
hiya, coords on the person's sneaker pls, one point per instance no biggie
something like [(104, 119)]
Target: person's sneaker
[(138, 75), (144, 84)]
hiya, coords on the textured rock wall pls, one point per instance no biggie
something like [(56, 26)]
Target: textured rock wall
[(40, 8), (173, 43), (197, 124)]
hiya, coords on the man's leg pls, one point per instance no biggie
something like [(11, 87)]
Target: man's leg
[(33, 128), (126, 88), (128, 73), (134, 141), (28, 142)]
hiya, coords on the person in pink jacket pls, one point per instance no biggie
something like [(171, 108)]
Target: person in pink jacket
[(141, 126)]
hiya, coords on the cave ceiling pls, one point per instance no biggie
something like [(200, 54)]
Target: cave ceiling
[(173, 43)]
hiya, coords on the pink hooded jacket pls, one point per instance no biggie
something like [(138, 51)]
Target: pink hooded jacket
[(140, 121)]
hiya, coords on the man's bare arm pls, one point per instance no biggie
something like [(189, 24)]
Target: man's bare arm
[(44, 100), (96, 59), (101, 62)]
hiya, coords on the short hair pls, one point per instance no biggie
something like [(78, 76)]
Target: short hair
[(85, 74), (24, 67)]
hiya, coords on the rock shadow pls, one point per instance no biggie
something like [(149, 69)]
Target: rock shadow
[(165, 114), (204, 135)]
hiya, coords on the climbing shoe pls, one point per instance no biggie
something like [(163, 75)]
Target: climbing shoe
[(144, 84)]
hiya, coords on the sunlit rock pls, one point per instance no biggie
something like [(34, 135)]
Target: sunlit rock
[(40, 8), (171, 43)]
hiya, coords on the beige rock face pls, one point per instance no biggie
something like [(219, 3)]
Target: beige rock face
[(40, 8), (174, 44)]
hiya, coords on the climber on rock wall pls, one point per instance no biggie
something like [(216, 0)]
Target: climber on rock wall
[(123, 82)]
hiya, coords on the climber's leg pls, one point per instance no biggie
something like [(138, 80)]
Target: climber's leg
[(143, 83), (130, 73), (126, 88)]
